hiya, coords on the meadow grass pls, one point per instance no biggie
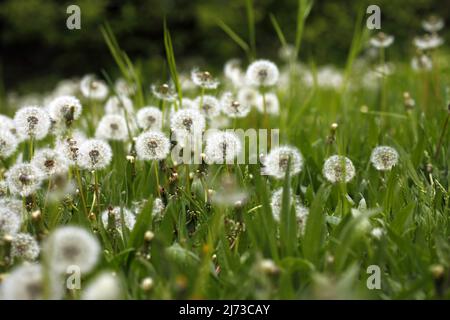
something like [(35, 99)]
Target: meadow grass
[(199, 249)]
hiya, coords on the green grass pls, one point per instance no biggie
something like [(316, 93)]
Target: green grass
[(203, 250)]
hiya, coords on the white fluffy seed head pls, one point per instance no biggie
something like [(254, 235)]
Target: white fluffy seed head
[(276, 203), (122, 87), (209, 106), (69, 147), (117, 105), (204, 79), (247, 96), (187, 122), (93, 88), (421, 62), (384, 158), (50, 162), (232, 70), (233, 107), (381, 40), (262, 73), (14, 205), (338, 169), (433, 24), (32, 122), (65, 109), (71, 246), (8, 143), (149, 118), (9, 222), (222, 147), (105, 286), (27, 282), (112, 127), (276, 161), (115, 214), (158, 207), (152, 145), (24, 179), (165, 92), (272, 105), (24, 247), (94, 154)]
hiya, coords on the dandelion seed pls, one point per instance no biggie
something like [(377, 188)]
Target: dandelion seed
[(50, 162), (112, 127), (384, 158), (301, 212), (338, 169), (421, 63), (118, 104), (276, 162), (152, 145), (8, 144), (94, 154), (187, 122), (210, 106), (248, 96), (105, 286), (204, 79), (433, 24), (70, 245), (381, 40), (232, 107), (262, 73), (222, 147), (24, 179), (128, 218), (9, 222), (271, 102), (24, 247), (149, 118), (65, 109), (27, 282), (69, 147), (32, 122), (164, 92), (93, 88)]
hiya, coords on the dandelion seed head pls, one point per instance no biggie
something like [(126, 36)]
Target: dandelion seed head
[(433, 24), (24, 179), (421, 62), (232, 107), (384, 158), (105, 286), (26, 282), (50, 162), (187, 122), (93, 88), (112, 127), (262, 73), (276, 162), (65, 109), (428, 42), (70, 245), (232, 71), (209, 106), (381, 40), (204, 79), (24, 247), (118, 105), (164, 92), (128, 218), (152, 145), (94, 154), (69, 147), (32, 122), (338, 169), (271, 101), (8, 144), (9, 222), (248, 96), (377, 233), (158, 207), (276, 203), (149, 118), (329, 78), (122, 87), (222, 147)]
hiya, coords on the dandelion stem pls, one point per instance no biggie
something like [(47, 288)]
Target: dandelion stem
[(157, 177), (80, 188)]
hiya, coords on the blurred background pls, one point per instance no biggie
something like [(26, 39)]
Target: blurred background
[(37, 49)]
